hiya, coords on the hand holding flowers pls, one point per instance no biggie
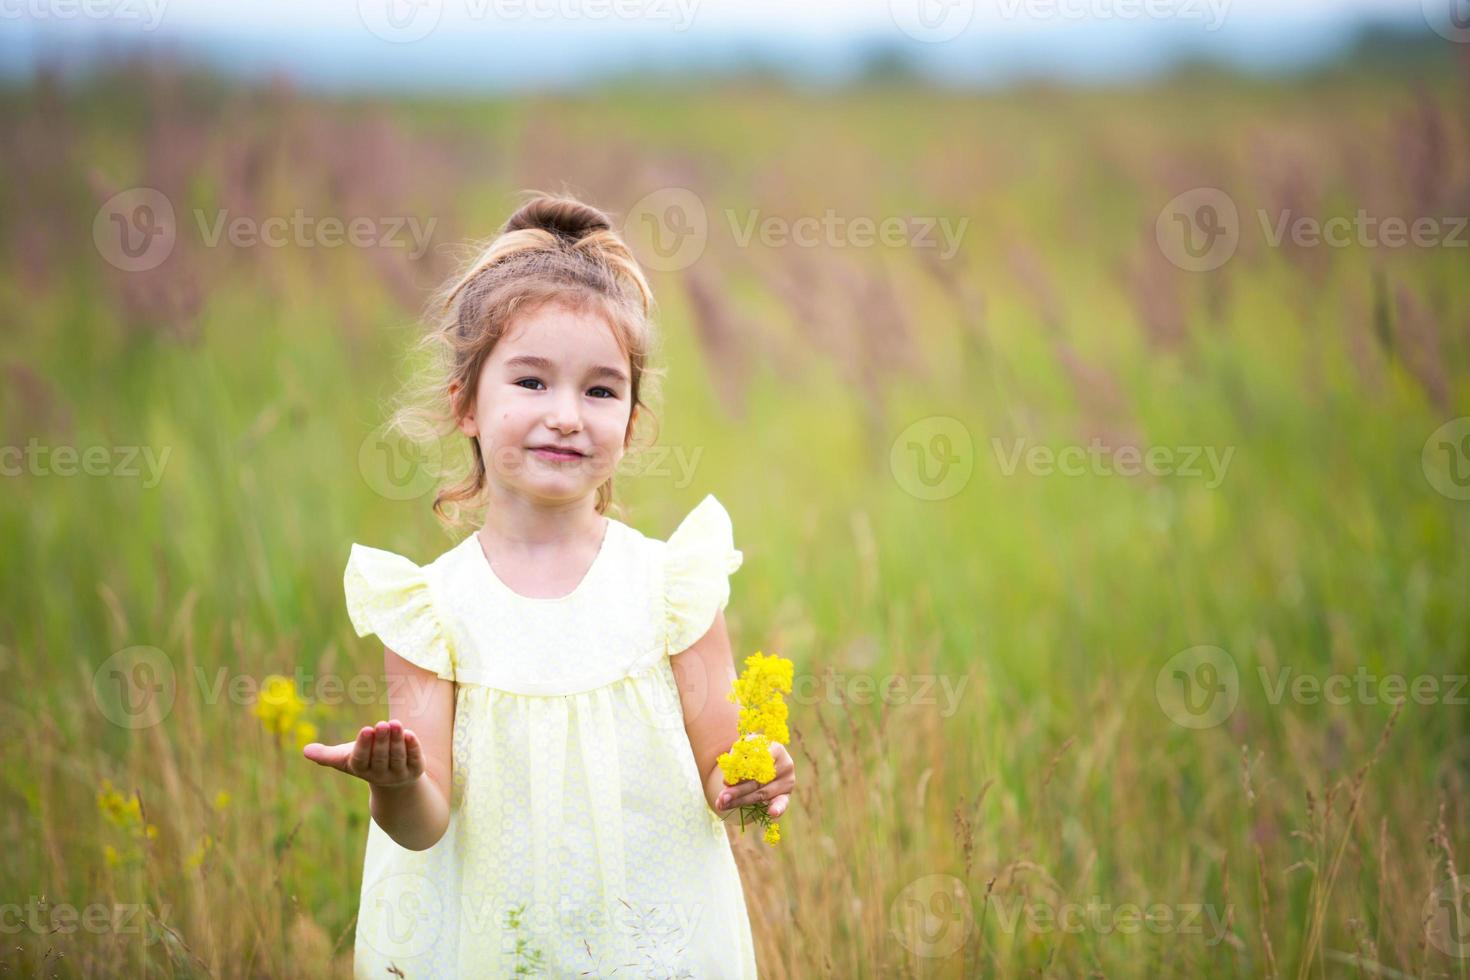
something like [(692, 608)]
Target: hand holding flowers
[(758, 770)]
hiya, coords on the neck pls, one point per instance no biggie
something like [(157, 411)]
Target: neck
[(517, 522)]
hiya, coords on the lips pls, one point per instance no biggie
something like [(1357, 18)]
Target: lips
[(559, 450)]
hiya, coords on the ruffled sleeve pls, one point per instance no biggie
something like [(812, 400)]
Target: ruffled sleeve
[(389, 595), (698, 560)]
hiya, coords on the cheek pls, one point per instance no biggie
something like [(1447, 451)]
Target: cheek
[(506, 417), (613, 421)]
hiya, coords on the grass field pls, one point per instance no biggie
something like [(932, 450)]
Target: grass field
[(1050, 719)]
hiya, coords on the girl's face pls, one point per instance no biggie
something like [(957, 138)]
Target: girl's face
[(555, 380)]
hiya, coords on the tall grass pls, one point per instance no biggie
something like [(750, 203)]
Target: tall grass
[(1309, 838)]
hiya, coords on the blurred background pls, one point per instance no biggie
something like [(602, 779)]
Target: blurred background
[(1086, 380)]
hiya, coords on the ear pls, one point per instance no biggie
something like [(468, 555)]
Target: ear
[(466, 422)]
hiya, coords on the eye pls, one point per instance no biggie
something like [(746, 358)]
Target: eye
[(610, 392), (533, 380)]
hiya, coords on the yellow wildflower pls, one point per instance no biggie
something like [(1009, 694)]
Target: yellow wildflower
[(280, 709), (762, 678), (305, 734), (278, 704), (769, 719), (206, 843), (749, 758), (762, 721), (118, 809)]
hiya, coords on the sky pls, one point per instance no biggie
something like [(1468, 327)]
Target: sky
[(491, 44)]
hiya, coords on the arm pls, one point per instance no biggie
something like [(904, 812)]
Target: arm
[(416, 813), (705, 673), (408, 759)]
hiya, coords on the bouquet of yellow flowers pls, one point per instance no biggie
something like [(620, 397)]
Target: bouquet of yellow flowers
[(762, 721)]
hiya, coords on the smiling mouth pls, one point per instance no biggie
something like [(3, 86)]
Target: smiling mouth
[(550, 452)]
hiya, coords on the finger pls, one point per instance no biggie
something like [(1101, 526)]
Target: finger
[(730, 794), (779, 804), (382, 740), (763, 792), (362, 752), (331, 756), (413, 753), (758, 793), (397, 753), (784, 763)]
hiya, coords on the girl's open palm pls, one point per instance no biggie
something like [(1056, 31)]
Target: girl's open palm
[(386, 755)]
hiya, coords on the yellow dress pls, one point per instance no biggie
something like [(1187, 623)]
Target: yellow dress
[(579, 839)]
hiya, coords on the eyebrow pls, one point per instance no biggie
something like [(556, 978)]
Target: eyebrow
[(544, 364)]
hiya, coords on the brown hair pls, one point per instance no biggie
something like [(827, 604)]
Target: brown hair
[(554, 248)]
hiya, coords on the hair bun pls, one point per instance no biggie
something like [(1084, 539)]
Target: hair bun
[(565, 217)]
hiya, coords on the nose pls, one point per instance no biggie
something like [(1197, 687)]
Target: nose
[(563, 415)]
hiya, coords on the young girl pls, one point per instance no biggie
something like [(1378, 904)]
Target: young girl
[(545, 796)]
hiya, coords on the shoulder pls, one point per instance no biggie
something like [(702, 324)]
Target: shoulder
[(701, 542), (706, 524), (394, 597), (694, 566), (380, 568)]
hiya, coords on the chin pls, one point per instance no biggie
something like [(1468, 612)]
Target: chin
[(565, 488)]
